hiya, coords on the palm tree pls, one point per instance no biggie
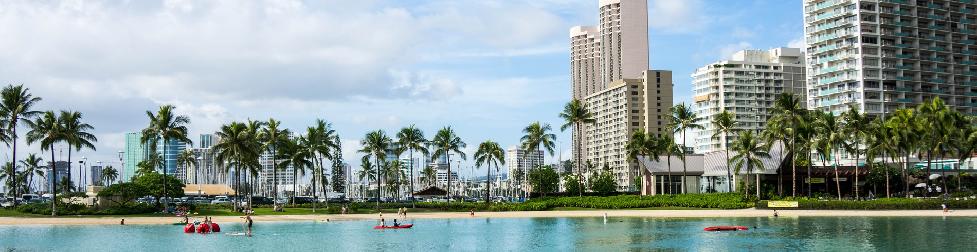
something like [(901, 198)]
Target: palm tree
[(109, 174), (749, 151), (489, 153), (32, 166), (832, 139), (320, 143), (788, 113), (683, 118), (377, 144), (881, 142), (537, 139), (165, 126), (446, 142), (75, 133), (724, 124), (16, 105), (666, 144), (272, 137), (428, 175), (575, 114), (856, 127), (906, 135), (187, 159), (293, 154), (643, 144), (937, 126), (366, 172), (411, 139), (236, 148), (47, 131)]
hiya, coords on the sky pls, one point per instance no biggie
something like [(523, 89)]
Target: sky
[(487, 68)]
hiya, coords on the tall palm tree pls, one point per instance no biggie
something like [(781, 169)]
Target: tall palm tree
[(833, 140), (109, 175), (880, 142), (293, 154), (749, 151), (366, 172), (789, 113), (321, 143), (236, 148), (47, 131), (683, 119), (165, 126), (428, 175), (937, 127), (32, 166), (906, 135), (537, 139), (188, 160), (412, 139), (446, 142), (272, 136), (76, 133), (575, 114), (377, 144), (489, 153), (16, 106), (667, 146), (725, 124), (856, 127)]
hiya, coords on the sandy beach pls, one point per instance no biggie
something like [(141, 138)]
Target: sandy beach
[(524, 214)]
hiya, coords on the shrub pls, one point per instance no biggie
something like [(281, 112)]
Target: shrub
[(879, 204)]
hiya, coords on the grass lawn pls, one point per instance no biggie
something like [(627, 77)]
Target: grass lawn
[(646, 208)]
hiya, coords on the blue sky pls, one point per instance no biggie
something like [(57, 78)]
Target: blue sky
[(486, 68)]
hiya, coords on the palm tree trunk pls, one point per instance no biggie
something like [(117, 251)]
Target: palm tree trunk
[(684, 170), (295, 175), (237, 186), (856, 171), (576, 128), (729, 173), (810, 166), (13, 174), (54, 184), (929, 165), (837, 179), (412, 200), (448, 159), (905, 172), (165, 202), (379, 179), (669, 176), (886, 167), (315, 177), (274, 176), (793, 163)]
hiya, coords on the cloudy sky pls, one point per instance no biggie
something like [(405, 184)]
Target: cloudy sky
[(487, 68)]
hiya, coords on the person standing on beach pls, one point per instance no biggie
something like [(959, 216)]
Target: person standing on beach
[(945, 209)]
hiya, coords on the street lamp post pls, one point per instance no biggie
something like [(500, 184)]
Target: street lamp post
[(122, 163)]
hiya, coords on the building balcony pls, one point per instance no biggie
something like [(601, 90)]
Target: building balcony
[(905, 100)]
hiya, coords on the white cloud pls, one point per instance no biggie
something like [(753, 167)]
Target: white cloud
[(677, 16), (797, 43), (726, 51)]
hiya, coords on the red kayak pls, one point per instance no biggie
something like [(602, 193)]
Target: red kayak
[(215, 228), (726, 228), (188, 228), (393, 227)]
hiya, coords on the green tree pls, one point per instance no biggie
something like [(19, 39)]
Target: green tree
[(291, 153), (377, 144), (321, 142), (683, 119), (856, 128), (76, 133), (165, 126), (188, 160), (789, 114), (237, 148), (749, 151), (724, 125), (272, 137), (446, 142), (832, 139), (572, 184), (156, 185), (603, 182), (537, 138), (32, 166), (491, 154), (906, 135), (123, 193), (109, 175), (544, 179), (428, 176), (880, 143), (668, 147), (366, 172), (575, 114), (47, 131), (643, 144), (412, 139), (16, 106)]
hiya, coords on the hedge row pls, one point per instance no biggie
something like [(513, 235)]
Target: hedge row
[(880, 204), (78, 209)]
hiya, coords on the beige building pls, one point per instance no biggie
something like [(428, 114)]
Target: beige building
[(746, 85), (624, 39), (625, 106)]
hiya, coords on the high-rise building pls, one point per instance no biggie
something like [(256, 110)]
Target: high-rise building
[(625, 106), (605, 58), (170, 152), (95, 175), (745, 85), (135, 152), (521, 160), (267, 176), (880, 56), (59, 174)]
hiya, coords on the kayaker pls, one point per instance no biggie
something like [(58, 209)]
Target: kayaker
[(396, 224)]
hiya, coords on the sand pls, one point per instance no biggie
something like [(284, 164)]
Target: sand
[(67, 220)]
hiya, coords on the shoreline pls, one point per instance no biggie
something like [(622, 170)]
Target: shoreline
[(27, 221)]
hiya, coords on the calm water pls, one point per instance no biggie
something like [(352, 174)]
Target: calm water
[(536, 234)]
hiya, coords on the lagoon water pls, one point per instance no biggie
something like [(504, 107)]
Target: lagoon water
[(521, 234)]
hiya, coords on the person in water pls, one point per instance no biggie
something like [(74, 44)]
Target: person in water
[(186, 219), (249, 222), (775, 213), (395, 223)]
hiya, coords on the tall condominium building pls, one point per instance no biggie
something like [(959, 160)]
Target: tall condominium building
[(267, 176), (518, 159), (60, 173), (170, 152), (746, 85), (95, 175), (135, 152), (883, 55), (625, 106), (615, 49)]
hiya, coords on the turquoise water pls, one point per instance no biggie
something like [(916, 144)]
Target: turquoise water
[(521, 234)]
